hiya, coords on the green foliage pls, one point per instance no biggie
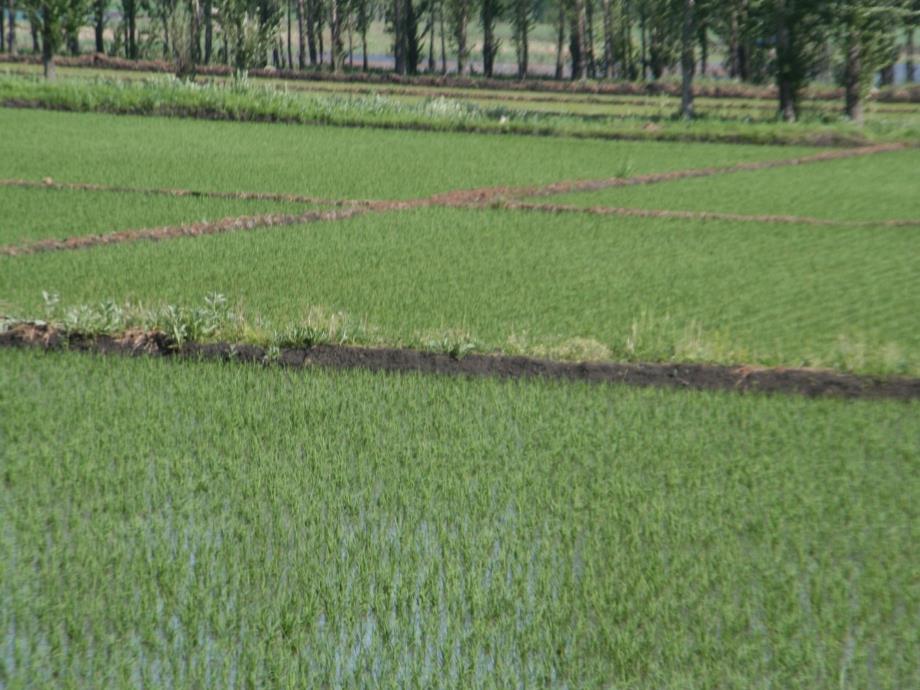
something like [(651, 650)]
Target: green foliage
[(236, 101), (878, 187), (643, 288), (182, 324), (35, 214), (380, 164), (325, 529)]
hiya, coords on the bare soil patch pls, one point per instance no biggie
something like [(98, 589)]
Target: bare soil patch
[(49, 183), (705, 215), (807, 382)]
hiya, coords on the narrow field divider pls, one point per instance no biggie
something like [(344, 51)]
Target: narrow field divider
[(811, 383), (48, 183), (705, 215), (569, 186), (499, 197), (188, 230)]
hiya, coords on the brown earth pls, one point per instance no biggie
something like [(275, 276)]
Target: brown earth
[(187, 230), (706, 215), (810, 383), (49, 183)]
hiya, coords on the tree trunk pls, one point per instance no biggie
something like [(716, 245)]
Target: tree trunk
[(321, 49), (165, 20), (99, 24), (33, 29), (560, 37), (48, 47), (443, 40), (643, 38), (687, 60), (290, 51), (132, 32), (208, 31), (399, 45), (733, 70), (488, 36), (430, 31), (608, 41), (11, 36), (301, 55), (853, 78), (589, 39), (886, 76), (524, 49), (460, 35), (629, 70), (704, 49), (910, 77), (578, 41), (311, 30), (2, 30), (337, 58), (364, 50), (787, 91)]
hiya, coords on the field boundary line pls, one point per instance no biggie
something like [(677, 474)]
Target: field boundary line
[(486, 194), (223, 225), (704, 215), (824, 139), (686, 376), (501, 197), (49, 183)]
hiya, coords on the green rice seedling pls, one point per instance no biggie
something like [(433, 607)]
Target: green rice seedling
[(877, 187), (649, 289), (270, 528), (344, 163), (37, 214)]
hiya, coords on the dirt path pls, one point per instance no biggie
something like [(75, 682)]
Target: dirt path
[(487, 194), (48, 183), (706, 215), (188, 230), (811, 383)]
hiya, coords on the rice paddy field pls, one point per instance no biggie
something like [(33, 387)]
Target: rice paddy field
[(169, 522)]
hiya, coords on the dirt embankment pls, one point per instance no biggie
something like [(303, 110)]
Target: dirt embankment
[(173, 231), (811, 383)]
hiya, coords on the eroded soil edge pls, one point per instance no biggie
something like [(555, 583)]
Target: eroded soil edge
[(810, 383)]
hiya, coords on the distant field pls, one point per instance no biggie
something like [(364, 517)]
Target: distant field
[(31, 214), (570, 286), (324, 161), (610, 108), (201, 525), (879, 187)]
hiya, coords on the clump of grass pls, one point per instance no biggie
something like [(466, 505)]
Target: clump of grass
[(456, 343), (245, 102), (181, 323)]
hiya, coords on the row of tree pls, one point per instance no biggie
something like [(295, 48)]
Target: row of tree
[(786, 41)]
